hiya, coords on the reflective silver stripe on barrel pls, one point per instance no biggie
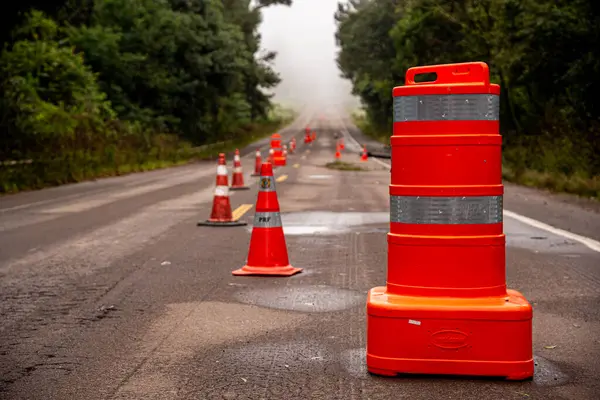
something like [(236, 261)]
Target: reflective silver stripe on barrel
[(267, 219), (266, 184), (452, 107), (446, 210)]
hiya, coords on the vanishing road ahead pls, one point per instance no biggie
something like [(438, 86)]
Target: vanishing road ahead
[(109, 290)]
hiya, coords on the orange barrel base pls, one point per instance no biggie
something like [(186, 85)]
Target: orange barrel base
[(486, 336), (280, 161)]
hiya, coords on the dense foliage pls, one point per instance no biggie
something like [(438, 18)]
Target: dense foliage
[(543, 53), (91, 85)]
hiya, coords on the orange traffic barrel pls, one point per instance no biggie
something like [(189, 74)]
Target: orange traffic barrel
[(446, 295), (278, 158), (275, 141)]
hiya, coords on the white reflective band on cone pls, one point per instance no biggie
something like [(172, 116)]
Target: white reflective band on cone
[(267, 219), (237, 169), (221, 170), (236, 158), (271, 151), (222, 191)]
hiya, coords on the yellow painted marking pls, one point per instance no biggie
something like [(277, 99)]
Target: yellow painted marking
[(296, 165), (281, 178), (240, 211)]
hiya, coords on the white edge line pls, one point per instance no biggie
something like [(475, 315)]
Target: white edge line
[(586, 241), (590, 243)]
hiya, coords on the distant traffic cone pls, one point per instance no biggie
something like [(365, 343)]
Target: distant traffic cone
[(314, 136), (221, 209), (365, 156), (342, 143), (338, 155), (237, 180), (285, 151), (257, 163), (294, 143), (291, 147), (267, 254)]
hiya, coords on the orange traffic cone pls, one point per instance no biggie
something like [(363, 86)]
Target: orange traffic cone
[(267, 254), (342, 143), (285, 151), (237, 180), (257, 164), (314, 136), (365, 156), (338, 155), (291, 147), (293, 144), (307, 137), (221, 209)]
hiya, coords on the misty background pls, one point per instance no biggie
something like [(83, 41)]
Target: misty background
[(304, 37)]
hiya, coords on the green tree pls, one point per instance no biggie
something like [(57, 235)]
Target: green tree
[(50, 97), (543, 53)]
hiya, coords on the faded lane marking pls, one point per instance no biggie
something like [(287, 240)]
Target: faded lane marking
[(240, 211), (296, 165), (281, 178), (303, 158), (586, 241)]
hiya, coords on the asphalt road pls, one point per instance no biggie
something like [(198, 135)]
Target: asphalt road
[(109, 290)]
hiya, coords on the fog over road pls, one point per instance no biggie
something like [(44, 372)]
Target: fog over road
[(303, 36)]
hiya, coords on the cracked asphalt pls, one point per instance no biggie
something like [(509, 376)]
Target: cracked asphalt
[(109, 290)]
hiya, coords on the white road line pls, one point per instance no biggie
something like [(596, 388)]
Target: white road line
[(586, 241), (590, 243)]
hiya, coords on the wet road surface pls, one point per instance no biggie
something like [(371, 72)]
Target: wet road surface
[(109, 290)]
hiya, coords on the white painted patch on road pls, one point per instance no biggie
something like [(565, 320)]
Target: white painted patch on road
[(327, 223), (320, 176), (304, 230)]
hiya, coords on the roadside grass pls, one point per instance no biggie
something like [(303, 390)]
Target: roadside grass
[(555, 182), (378, 134), (168, 151)]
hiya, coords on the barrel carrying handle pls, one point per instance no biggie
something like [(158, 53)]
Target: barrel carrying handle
[(472, 72)]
